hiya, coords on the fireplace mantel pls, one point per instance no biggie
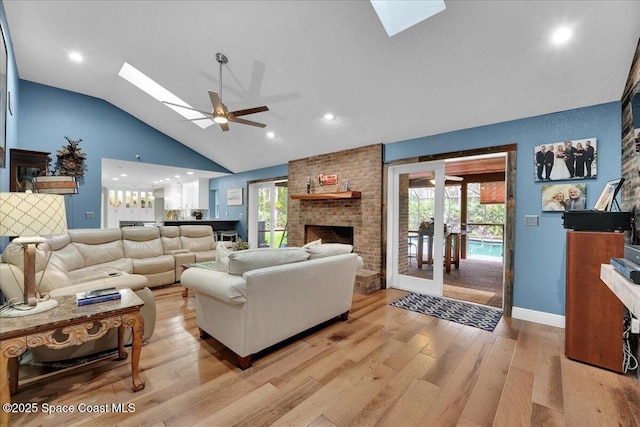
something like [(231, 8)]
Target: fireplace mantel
[(337, 195)]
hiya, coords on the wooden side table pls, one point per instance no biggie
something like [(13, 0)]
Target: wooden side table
[(451, 249), (19, 333)]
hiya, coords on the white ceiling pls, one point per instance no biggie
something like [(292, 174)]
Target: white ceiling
[(476, 63)]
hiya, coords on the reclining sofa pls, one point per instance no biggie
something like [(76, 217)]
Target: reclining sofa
[(89, 259), (264, 296)]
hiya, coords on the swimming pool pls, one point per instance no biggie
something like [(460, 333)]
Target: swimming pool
[(484, 248)]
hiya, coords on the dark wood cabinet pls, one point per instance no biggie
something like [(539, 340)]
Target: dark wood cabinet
[(24, 166), (594, 315)]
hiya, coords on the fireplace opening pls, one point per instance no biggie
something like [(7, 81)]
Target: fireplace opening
[(328, 234)]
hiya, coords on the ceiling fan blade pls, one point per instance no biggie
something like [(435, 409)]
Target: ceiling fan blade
[(187, 108), (224, 126), (249, 111), (216, 102), (246, 122), (453, 178)]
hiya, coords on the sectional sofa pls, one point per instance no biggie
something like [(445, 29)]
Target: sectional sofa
[(84, 259)]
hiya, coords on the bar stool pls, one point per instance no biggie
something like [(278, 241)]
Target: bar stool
[(231, 234), (412, 251)]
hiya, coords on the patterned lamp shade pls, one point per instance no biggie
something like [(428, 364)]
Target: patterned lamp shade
[(31, 214)]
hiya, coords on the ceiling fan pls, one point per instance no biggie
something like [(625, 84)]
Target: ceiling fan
[(220, 114)]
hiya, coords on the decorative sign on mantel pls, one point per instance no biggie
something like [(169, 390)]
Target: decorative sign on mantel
[(327, 179)]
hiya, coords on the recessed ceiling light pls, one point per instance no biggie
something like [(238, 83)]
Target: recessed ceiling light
[(271, 135), (189, 173), (561, 35), (76, 57), (176, 176), (329, 116), (123, 174), (115, 179), (144, 83)]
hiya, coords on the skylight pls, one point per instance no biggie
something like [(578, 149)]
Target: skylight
[(398, 15), (144, 83)]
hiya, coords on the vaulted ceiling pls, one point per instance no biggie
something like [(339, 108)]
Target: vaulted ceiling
[(476, 63)]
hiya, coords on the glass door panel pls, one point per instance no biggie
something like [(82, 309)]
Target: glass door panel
[(268, 214), (415, 227)]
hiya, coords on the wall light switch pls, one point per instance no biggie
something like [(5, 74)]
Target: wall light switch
[(88, 215), (531, 220)]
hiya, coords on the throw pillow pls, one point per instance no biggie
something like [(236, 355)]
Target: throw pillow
[(252, 259), (328, 249), (222, 257), (314, 243)]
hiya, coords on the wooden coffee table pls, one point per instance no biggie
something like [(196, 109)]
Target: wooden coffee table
[(19, 333)]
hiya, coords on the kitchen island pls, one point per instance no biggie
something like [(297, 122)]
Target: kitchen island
[(216, 224)]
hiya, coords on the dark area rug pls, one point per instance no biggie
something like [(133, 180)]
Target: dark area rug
[(478, 316)]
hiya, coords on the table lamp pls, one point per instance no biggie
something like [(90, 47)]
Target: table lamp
[(30, 216)]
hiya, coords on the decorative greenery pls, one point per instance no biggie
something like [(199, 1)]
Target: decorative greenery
[(421, 208), (239, 245), (264, 207)]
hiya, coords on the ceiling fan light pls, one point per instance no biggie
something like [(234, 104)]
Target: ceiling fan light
[(220, 120)]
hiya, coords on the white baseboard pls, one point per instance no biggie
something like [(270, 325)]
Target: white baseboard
[(538, 317)]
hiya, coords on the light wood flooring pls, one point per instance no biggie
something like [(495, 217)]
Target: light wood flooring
[(385, 366)]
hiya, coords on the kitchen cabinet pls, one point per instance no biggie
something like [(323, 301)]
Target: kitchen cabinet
[(172, 197), (188, 196), (129, 205), (195, 195)]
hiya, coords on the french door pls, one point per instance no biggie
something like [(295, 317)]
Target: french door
[(267, 214), (406, 212)]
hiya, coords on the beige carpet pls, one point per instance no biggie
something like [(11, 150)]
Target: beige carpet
[(466, 294)]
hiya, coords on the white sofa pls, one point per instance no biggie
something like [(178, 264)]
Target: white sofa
[(268, 295), (58, 281)]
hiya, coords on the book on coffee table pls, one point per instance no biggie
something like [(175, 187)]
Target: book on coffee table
[(96, 296)]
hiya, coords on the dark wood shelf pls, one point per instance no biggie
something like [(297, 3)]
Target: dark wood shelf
[(337, 195)]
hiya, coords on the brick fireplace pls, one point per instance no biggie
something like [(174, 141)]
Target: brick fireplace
[(362, 167), (328, 233)]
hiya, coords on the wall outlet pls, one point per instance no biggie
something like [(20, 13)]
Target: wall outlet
[(88, 215), (635, 326), (531, 220)]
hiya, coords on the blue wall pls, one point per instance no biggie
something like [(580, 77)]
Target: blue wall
[(49, 114), (539, 282), (240, 180)]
